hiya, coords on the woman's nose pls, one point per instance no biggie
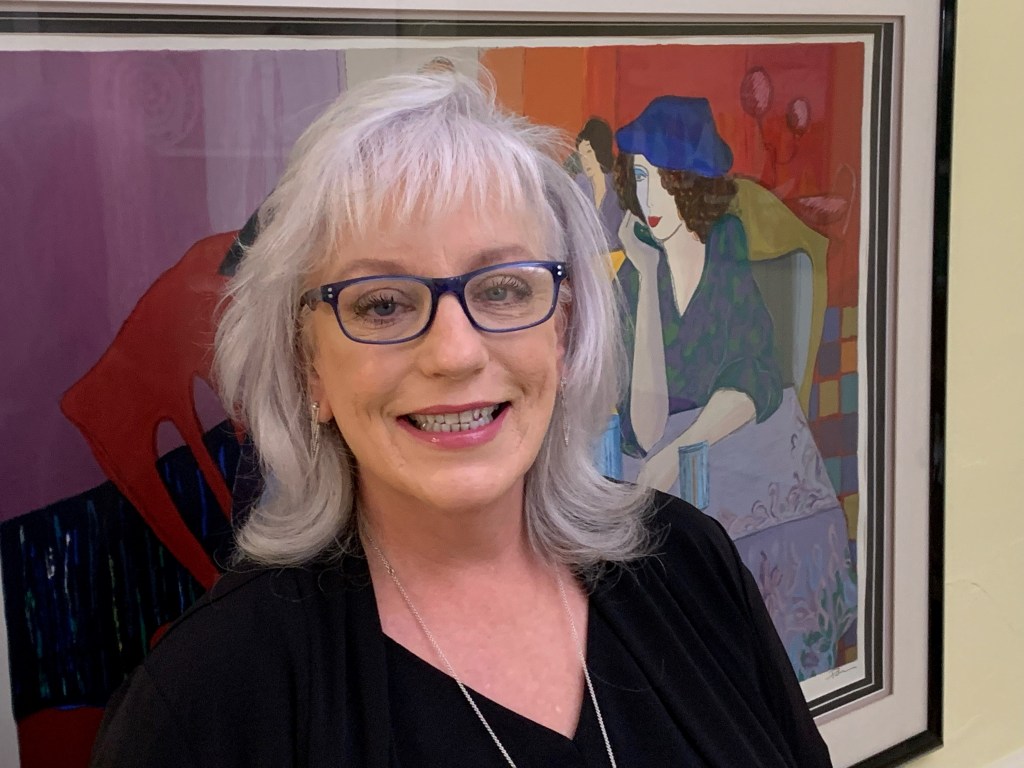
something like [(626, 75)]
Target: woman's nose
[(452, 347)]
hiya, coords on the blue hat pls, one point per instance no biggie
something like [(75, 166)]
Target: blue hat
[(677, 133)]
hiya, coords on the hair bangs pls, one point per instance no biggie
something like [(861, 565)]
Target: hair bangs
[(424, 167)]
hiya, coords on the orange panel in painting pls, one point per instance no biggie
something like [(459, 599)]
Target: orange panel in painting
[(553, 86), (599, 90), (848, 356), (506, 66)]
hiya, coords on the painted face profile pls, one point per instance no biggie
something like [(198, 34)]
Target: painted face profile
[(657, 204), (588, 158)]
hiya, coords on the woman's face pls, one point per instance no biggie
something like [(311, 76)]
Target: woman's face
[(588, 159), (378, 393), (658, 205)]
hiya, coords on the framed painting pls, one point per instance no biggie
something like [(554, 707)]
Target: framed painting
[(784, 317)]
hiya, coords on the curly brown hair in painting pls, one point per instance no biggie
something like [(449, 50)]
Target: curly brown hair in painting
[(700, 200)]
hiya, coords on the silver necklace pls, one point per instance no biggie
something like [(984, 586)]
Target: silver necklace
[(458, 681)]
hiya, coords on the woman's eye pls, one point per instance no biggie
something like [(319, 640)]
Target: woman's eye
[(378, 306), (383, 308), (502, 290), (496, 293)]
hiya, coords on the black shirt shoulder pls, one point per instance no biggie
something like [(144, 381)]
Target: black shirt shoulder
[(255, 608), (690, 545), (229, 683)]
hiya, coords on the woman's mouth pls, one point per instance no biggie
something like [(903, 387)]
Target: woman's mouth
[(652, 221), (462, 421)]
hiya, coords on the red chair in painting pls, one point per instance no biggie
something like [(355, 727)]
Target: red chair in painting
[(146, 377)]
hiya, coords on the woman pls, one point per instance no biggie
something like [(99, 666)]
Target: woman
[(701, 336), (597, 158), (420, 342)]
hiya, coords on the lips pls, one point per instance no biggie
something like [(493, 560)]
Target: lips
[(438, 429), (652, 221), (455, 421)]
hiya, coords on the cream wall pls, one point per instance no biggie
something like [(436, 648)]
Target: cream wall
[(984, 651)]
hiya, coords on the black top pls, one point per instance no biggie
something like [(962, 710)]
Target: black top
[(447, 733), (289, 667)]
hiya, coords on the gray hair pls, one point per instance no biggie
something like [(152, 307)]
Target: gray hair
[(402, 146)]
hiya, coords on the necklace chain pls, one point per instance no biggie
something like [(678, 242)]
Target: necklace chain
[(458, 681), (586, 671)]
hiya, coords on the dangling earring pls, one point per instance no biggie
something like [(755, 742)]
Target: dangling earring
[(314, 428), (565, 414)]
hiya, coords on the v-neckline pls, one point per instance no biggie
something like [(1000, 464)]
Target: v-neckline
[(698, 285), (586, 709)]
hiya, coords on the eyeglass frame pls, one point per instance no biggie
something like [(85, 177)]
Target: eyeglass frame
[(329, 293)]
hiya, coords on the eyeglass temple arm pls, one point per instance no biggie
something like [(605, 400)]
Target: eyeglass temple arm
[(311, 298)]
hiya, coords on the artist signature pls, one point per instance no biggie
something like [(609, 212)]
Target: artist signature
[(832, 674)]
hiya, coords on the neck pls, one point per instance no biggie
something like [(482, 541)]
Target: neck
[(445, 542), (683, 247)]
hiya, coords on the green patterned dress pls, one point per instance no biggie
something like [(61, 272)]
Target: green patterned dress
[(724, 338)]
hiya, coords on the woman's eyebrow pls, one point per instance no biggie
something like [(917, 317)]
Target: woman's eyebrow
[(482, 258), (500, 254), (366, 267)]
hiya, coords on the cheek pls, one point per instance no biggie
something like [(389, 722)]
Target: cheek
[(349, 381), (641, 194), (661, 201), (540, 364)]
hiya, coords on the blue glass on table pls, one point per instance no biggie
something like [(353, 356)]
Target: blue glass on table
[(693, 475), (609, 450)]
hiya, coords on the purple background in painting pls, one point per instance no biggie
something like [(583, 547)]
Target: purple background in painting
[(111, 165)]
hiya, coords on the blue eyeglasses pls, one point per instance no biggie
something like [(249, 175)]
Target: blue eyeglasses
[(390, 309)]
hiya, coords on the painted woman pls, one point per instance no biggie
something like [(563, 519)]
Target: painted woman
[(701, 336)]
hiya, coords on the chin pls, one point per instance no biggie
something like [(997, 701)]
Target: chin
[(663, 233), (461, 489)]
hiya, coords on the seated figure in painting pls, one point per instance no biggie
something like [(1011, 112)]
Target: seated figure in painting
[(597, 159), (712, 411), (701, 335)]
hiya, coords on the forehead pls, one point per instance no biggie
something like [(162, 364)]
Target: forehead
[(450, 242), (642, 162)]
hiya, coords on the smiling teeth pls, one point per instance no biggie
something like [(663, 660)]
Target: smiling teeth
[(464, 421)]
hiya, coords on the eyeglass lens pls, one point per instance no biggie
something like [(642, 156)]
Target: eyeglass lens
[(391, 308)]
